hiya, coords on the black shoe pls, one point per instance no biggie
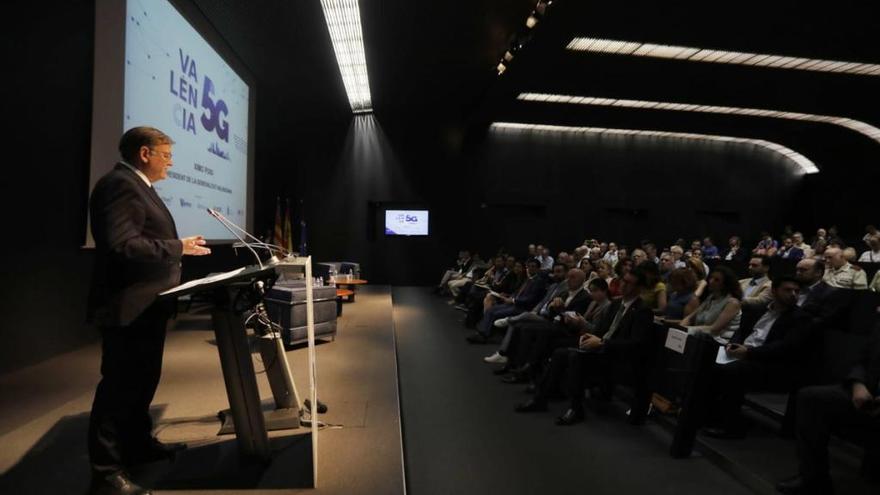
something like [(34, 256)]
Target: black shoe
[(115, 484), (478, 338), (515, 378), (531, 406), (322, 408), (724, 433), (570, 417)]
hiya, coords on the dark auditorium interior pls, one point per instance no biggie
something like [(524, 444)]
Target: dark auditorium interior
[(575, 317)]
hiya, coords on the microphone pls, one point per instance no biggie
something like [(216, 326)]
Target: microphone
[(223, 221), (263, 245)]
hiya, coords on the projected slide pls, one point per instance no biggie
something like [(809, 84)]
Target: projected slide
[(176, 82), (406, 222)]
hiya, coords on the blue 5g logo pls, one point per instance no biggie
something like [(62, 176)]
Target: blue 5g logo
[(412, 219), (213, 110)]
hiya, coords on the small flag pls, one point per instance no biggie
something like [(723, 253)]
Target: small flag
[(278, 235), (288, 228)]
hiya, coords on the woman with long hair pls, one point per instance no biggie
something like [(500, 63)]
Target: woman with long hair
[(719, 314)]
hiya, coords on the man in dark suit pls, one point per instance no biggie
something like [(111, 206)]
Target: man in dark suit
[(137, 255), (816, 297), (537, 338), (523, 300), (622, 338), (853, 405), (769, 355)]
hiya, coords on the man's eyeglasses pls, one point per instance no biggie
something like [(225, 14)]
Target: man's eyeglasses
[(164, 154)]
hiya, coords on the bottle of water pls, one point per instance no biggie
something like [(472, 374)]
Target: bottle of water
[(332, 277)]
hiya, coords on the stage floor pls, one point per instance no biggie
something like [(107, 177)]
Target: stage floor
[(44, 415)]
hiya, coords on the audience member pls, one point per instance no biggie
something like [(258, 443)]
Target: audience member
[(821, 410), (756, 289), (872, 255), (735, 251), (875, 284), (677, 255), (700, 272), (821, 236), (537, 339), (654, 292), (682, 284), (789, 251), (768, 356), (623, 267), (719, 314), (541, 312), (798, 240), (622, 337), (766, 246), (870, 231), (524, 299), (667, 265), (840, 273), (814, 292), (710, 251), (462, 265), (611, 255), (545, 259)]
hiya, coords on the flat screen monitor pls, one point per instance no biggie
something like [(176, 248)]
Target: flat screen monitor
[(406, 222)]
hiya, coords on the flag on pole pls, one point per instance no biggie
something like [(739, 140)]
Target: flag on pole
[(302, 230), (278, 235), (288, 228)]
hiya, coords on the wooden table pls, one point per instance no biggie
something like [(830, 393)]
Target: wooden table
[(351, 284)]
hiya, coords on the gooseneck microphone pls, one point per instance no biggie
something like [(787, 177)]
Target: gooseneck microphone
[(226, 223)]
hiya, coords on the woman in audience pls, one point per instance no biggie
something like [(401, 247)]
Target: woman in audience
[(720, 312), (605, 271), (766, 246), (682, 300), (589, 270), (623, 267), (507, 286), (654, 293), (698, 268)]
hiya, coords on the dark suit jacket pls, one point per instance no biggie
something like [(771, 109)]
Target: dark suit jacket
[(578, 304), (786, 341), (867, 370), (633, 336), (137, 250), (530, 293)]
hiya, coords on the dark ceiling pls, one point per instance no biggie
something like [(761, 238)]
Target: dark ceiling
[(432, 62)]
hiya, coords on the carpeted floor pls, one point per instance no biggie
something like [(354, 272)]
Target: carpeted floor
[(461, 435)]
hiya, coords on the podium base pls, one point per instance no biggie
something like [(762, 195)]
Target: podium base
[(276, 419)]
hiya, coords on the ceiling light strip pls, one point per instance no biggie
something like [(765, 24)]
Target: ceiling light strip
[(634, 48), (854, 125), (344, 23), (805, 164)]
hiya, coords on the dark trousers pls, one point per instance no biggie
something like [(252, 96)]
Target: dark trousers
[(538, 340), (131, 364), (733, 380), (823, 410), (570, 370)]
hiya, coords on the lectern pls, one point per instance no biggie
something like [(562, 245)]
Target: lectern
[(233, 294)]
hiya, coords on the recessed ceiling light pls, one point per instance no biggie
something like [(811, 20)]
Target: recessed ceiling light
[(806, 165), (851, 124), (344, 22), (634, 48)]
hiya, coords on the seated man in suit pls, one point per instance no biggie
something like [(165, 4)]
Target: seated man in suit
[(541, 312), (536, 339), (816, 296), (524, 299), (855, 404), (622, 338), (769, 356), (756, 288)]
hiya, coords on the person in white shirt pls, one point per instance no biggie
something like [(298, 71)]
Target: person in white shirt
[(798, 240), (677, 255), (841, 273), (872, 255)]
